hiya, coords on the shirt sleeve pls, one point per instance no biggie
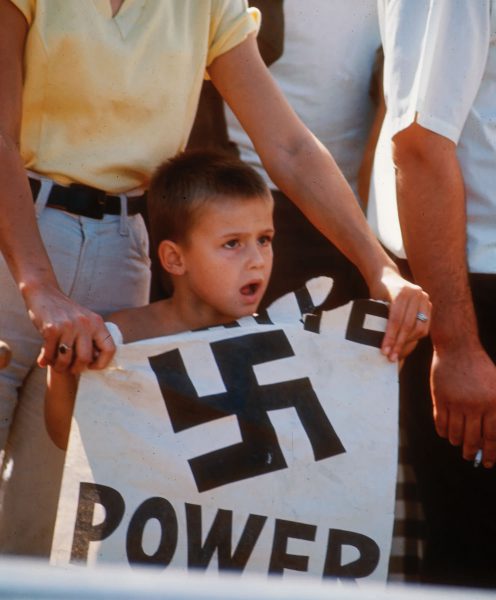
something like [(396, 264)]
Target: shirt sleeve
[(435, 55), (232, 21), (27, 7)]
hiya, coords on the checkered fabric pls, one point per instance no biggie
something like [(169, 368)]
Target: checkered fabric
[(409, 526)]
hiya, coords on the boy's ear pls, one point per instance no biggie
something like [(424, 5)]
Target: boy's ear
[(171, 257)]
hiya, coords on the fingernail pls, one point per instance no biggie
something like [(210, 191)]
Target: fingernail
[(386, 350), (393, 357)]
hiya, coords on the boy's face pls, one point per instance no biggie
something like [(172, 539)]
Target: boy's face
[(228, 258)]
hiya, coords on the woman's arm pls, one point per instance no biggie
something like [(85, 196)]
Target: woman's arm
[(305, 171), (56, 317)]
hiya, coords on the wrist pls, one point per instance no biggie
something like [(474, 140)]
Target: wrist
[(452, 330), (35, 283), (378, 276)]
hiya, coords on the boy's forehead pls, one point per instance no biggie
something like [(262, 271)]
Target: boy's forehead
[(227, 209), (219, 203), (238, 198)]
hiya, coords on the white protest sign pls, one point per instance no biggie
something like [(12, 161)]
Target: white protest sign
[(268, 446)]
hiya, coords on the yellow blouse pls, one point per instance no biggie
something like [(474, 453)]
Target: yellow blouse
[(106, 99)]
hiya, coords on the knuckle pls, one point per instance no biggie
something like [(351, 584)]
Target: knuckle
[(470, 449), (78, 365), (393, 321), (400, 340), (83, 320), (455, 439), (48, 330), (441, 429), (84, 356), (414, 290), (95, 321), (98, 319), (490, 437)]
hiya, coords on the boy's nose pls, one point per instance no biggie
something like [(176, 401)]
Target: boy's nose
[(256, 257)]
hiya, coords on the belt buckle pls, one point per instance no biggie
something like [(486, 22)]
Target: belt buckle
[(90, 202)]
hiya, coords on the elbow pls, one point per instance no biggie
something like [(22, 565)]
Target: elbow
[(290, 160), (418, 148)]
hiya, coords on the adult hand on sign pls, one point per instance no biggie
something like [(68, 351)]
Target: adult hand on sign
[(409, 313), (5, 355), (74, 338)]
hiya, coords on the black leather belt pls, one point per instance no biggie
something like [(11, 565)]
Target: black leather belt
[(87, 201)]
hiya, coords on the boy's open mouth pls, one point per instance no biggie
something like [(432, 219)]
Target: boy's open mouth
[(249, 289)]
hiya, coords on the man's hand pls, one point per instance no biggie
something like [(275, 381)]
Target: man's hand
[(409, 313), (463, 384), (74, 338)]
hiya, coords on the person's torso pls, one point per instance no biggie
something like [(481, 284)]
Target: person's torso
[(325, 72), (106, 99)]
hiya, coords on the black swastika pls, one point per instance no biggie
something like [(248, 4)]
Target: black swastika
[(258, 453), (356, 331)]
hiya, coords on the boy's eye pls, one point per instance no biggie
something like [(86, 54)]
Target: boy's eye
[(265, 240), (231, 244)]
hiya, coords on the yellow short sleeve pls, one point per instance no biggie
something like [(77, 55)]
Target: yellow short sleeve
[(231, 23)]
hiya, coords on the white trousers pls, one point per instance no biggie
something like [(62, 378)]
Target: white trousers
[(104, 266)]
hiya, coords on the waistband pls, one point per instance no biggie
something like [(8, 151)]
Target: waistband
[(86, 201)]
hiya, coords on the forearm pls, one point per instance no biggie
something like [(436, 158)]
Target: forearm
[(310, 177), (305, 171), (57, 318), (296, 161), (20, 241), (431, 204), (59, 405)]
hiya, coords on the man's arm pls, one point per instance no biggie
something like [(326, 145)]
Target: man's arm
[(431, 202), (305, 171), (56, 317)]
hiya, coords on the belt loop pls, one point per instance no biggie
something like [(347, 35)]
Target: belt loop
[(123, 222), (43, 194)]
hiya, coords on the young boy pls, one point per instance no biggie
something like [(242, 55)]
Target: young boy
[(211, 224)]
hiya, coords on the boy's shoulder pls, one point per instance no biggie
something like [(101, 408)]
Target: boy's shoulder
[(143, 322)]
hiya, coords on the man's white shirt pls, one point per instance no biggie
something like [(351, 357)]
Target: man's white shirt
[(440, 71)]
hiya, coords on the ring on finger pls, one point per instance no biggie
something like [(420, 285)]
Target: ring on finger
[(421, 316), (64, 348)]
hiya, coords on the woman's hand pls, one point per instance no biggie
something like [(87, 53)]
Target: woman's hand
[(409, 313), (74, 338)]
